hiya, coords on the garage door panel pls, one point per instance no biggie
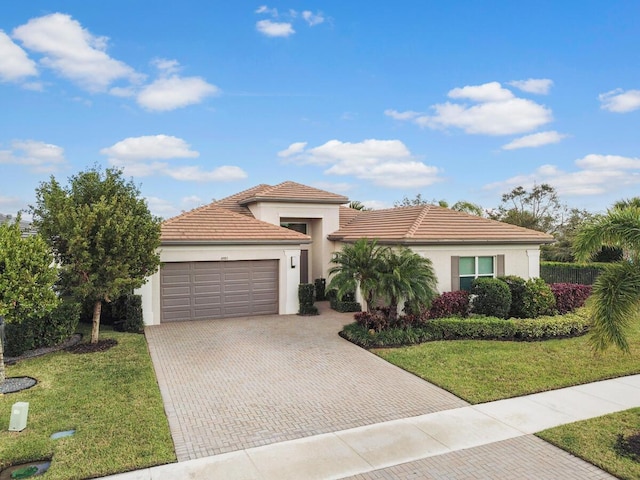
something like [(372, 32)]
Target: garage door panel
[(204, 290)]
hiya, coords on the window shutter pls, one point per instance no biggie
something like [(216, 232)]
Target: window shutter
[(500, 266), (455, 274)]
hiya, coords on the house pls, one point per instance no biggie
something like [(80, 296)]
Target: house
[(246, 254)]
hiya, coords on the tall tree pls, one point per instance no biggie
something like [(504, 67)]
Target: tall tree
[(565, 233), (406, 275), (538, 209), (616, 292), (102, 235), (356, 266), (460, 206), (27, 277)]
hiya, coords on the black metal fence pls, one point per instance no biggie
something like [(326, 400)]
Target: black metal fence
[(584, 274)]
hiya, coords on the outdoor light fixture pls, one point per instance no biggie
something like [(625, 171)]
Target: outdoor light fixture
[(18, 420), (294, 262)]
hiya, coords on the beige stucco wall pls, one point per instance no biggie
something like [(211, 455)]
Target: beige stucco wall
[(323, 219), (520, 260), (289, 277)]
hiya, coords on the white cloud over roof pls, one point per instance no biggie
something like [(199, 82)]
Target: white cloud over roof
[(494, 110), (150, 155), (387, 163), (540, 86), (596, 174)]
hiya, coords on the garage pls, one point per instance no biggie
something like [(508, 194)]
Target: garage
[(210, 290)]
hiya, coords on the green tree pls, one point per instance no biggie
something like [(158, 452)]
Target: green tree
[(27, 277), (565, 233), (460, 206), (101, 233), (468, 207), (358, 205), (357, 266), (616, 293), (538, 209), (406, 275)]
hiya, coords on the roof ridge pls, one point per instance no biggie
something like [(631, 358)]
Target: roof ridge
[(185, 214), (241, 195), (424, 210)]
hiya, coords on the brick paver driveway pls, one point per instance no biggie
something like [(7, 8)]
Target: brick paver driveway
[(240, 383)]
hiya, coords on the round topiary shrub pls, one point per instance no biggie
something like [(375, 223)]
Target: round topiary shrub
[(517, 288), (490, 297), (538, 299)]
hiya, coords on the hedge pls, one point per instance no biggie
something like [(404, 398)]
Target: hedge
[(474, 328), (580, 273)]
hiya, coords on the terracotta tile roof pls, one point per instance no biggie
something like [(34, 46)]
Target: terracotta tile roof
[(211, 224), (294, 192), (347, 214), (232, 202), (430, 224)]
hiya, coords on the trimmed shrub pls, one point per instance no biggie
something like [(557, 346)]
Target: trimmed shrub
[(491, 297), (570, 296), (449, 304), (320, 287), (517, 288), (126, 312), (375, 320), (345, 304), (538, 299), (305, 298), (475, 328), (42, 331)]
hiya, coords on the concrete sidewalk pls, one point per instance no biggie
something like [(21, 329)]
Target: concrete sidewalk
[(386, 450)]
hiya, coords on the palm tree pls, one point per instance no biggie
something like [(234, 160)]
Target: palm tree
[(357, 265), (616, 292), (358, 205), (406, 275)]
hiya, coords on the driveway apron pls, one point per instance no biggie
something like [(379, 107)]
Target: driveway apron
[(245, 382)]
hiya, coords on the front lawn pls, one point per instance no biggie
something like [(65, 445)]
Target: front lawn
[(110, 398), (594, 440), (482, 370)]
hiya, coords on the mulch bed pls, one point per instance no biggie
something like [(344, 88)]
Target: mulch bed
[(72, 340), (16, 384), (100, 346), (629, 446)]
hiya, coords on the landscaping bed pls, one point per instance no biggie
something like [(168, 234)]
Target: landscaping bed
[(110, 398)]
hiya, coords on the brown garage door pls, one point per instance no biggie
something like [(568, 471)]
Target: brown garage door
[(202, 290)]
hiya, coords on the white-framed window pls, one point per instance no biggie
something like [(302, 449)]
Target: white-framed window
[(470, 268)]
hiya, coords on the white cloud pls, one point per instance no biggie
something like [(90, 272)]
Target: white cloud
[(540, 86), (312, 19), (224, 173), (143, 156), (39, 157), (596, 175), (619, 101), (73, 52), (497, 112), (376, 204), (386, 163), (488, 92), (150, 147), (396, 115), (16, 64), (175, 92), (535, 140), (292, 149), (270, 11), (161, 208), (275, 29), (166, 66)]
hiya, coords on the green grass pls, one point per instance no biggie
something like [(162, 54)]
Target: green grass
[(110, 398), (594, 440), (481, 370)]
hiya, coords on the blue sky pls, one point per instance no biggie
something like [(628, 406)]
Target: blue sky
[(196, 100)]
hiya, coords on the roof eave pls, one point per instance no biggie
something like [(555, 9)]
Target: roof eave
[(406, 241), (250, 200), (233, 242)]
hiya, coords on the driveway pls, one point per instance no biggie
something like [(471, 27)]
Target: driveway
[(245, 382)]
